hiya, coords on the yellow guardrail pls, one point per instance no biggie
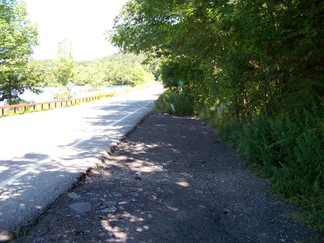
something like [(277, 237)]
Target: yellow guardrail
[(22, 108)]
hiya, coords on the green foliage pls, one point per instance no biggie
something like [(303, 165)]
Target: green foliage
[(17, 37), (262, 55), (174, 103), (127, 74), (255, 68), (63, 71), (154, 67), (64, 95), (91, 73), (64, 66), (289, 150), (198, 83), (45, 70), (118, 69)]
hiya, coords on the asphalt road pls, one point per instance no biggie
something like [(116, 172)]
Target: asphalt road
[(42, 154)]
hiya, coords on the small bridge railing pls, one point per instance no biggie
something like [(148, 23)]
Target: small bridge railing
[(23, 108)]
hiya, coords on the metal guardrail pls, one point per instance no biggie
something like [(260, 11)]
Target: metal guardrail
[(22, 108)]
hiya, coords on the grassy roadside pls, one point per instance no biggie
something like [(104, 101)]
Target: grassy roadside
[(286, 149)]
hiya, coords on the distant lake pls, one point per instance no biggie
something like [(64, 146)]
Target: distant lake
[(76, 92)]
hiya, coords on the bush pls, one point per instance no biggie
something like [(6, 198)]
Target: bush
[(63, 95), (287, 149), (174, 103)]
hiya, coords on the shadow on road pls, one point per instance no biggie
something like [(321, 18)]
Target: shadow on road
[(172, 180), (35, 179)]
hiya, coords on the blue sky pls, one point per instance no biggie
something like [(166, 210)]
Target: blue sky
[(82, 22)]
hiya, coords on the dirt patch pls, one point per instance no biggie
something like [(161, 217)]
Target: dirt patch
[(171, 180)]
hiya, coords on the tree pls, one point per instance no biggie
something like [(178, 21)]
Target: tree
[(118, 69), (64, 66), (256, 67), (17, 37), (263, 55)]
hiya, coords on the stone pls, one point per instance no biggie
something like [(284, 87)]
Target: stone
[(5, 237), (81, 207), (73, 195), (138, 175), (109, 207), (226, 211)]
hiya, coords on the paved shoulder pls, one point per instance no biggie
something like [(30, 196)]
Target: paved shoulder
[(172, 180), (44, 153)]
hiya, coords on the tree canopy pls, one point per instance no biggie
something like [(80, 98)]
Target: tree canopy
[(117, 69), (257, 55), (255, 69), (64, 66), (17, 38)]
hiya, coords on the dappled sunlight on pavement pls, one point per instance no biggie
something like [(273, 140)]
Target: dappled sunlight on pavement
[(45, 153), (178, 183)]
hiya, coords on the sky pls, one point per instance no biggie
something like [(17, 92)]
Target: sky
[(81, 22)]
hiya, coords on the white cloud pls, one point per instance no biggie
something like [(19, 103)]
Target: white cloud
[(83, 22)]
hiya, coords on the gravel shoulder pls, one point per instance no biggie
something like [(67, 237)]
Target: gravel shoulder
[(171, 180)]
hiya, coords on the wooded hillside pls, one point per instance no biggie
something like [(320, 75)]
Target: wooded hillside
[(117, 69)]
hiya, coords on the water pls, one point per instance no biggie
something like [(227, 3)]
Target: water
[(76, 92)]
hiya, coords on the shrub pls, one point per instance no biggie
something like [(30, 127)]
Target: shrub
[(174, 103), (63, 95), (287, 149)]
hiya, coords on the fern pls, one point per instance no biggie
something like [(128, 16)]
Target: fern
[(287, 149)]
